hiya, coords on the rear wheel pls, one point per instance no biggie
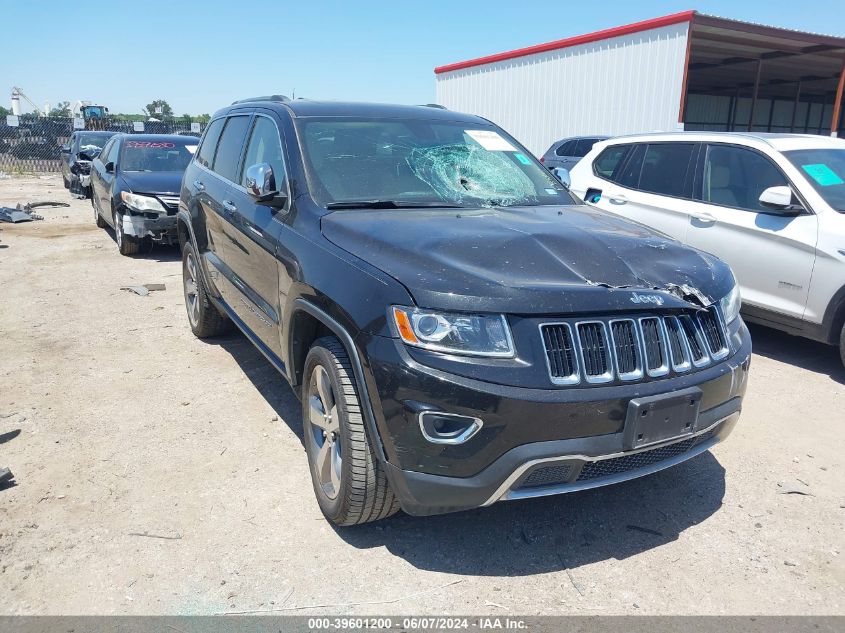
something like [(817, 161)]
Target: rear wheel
[(98, 219), (350, 486), (204, 317)]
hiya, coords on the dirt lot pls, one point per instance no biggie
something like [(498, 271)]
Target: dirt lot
[(131, 429)]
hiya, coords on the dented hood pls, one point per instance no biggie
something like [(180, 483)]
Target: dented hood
[(529, 260)]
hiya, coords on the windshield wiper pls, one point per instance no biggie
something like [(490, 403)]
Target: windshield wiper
[(390, 204)]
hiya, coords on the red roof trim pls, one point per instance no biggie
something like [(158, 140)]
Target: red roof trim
[(636, 27)]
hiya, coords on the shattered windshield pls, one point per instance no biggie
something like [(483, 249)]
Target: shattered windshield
[(157, 155), (825, 170), (423, 162)]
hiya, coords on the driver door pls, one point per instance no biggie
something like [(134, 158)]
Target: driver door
[(772, 254)]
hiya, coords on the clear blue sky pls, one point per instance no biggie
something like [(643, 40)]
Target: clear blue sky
[(200, 56)]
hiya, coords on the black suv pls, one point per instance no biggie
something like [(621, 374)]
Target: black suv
[(460, 329)]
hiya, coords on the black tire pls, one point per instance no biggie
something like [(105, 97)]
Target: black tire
[(98, 219), (125, 244), (204, 318), (65, 181), (356, 490), (842, 344)]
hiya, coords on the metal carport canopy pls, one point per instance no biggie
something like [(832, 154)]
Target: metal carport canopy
[(733, 57)]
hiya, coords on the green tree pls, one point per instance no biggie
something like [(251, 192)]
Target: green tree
[(187, 118), (151, 109), (62, 109), (203, 118), (4, 112)]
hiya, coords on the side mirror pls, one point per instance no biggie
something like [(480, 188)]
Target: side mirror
[(260, 182), (779, 199), (562, 174), (109, 167)]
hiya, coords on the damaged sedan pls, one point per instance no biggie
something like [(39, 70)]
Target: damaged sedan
[(135, 184), (459, 328), (76, 157)]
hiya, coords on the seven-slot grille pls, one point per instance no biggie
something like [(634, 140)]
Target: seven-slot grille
[(600, 351)]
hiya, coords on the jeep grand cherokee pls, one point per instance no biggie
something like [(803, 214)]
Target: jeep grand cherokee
[(459, 328)]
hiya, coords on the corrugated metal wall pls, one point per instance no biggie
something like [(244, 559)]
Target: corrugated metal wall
[(622, 85), (712, 113)]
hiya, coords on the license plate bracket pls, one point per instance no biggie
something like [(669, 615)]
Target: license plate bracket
[(654, 419)]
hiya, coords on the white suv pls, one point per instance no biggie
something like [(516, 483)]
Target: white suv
[(771, 205)]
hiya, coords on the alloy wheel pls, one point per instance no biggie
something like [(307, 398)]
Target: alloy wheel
[(192, 299), (325, 431)]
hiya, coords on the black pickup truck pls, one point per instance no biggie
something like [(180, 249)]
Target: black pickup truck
[(459, 328)]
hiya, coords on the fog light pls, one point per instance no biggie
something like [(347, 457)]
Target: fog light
[(448, 428)]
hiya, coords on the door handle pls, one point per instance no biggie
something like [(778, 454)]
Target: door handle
[(229, 206), (704, 217), (198, 186), (617, 198)]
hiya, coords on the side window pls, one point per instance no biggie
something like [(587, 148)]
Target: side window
[(583, 147), (628, 174), (565, 149), (265, 147), (735, 177), (608, 161), (229, 149), (665, 168), (205, 155), (110, 152)]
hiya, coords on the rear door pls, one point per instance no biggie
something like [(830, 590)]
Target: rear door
[(219, 184), (102, 179), (200, 205), (772, 255), (653, 186), (256, 228)]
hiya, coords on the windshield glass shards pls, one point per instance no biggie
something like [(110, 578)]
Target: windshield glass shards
[(421, 163), (157, 155)]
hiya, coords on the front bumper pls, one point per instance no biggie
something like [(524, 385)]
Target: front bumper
[(533, 442), (160, 228)]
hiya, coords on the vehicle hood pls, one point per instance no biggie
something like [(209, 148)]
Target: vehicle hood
[(153, 181), (529, 260)]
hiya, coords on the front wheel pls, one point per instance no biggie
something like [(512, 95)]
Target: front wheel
[(842, 344), (125, 244), (349, 483)]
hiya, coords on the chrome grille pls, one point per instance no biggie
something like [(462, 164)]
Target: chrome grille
[(560, 353), (171, 202), (654, 345), (714, 334), (595, 351), (629, 349)]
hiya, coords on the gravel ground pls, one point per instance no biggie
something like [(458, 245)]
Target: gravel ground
[(160, 474)]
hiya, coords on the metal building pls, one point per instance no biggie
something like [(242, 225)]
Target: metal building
[(685, 71)]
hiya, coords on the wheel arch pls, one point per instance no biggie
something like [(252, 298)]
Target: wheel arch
[(316, 322), (834, 317)]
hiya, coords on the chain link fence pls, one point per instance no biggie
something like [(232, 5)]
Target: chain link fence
[(32, 143)]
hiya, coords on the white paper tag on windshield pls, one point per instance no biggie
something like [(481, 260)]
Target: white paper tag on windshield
[(191, 148), (489, 139)]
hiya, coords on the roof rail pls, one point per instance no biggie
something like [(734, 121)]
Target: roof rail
[(435, 105), (279, 98)]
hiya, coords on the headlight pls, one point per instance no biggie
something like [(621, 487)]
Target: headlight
[(468, 334), (731, 303), (142, 203)]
